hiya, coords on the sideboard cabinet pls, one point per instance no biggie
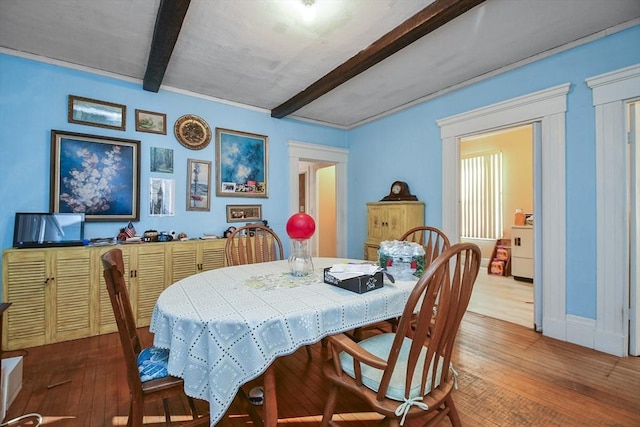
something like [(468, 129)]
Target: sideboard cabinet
[(388, 221), (59, 294)]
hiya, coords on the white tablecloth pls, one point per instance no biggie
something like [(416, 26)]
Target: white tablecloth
[(225, 327)]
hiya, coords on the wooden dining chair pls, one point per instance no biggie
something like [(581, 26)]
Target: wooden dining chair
[(409, 373), (434, 241), (147, 376), (253, 243)]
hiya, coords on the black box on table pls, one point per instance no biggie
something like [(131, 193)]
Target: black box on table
[(359, 284)]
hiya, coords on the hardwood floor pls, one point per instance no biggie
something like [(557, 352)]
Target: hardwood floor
[(503, 298), (509, 376)]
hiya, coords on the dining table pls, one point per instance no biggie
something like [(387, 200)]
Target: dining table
[(225, 327)]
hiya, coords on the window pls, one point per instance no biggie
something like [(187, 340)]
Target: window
[(481, 195)]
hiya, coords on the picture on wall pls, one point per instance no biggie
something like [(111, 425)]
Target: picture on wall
[(161, 197), (241, 164), (243, 213), (198, 185), (92, 112), (161, 160), (149, 121), (97, 175)]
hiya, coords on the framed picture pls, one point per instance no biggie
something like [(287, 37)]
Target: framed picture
[(161, 200), (243, 213), (241, 164), (148, 121), (97, 175), (198, 185), (87, 111), (161, 160)]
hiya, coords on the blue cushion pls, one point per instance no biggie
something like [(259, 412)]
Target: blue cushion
[(152, 363), (380, 345)]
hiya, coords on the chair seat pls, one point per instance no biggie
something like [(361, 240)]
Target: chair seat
[(380, 345), (152, 363)]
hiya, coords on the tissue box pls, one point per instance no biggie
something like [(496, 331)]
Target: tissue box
[(359, 284)]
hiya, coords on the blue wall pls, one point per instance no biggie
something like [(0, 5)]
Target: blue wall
[(407, 146), (33, 101), (404, 146)]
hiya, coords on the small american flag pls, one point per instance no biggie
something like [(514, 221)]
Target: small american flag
[(130, 230)]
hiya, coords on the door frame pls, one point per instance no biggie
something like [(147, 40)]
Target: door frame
[(610, 93), (548, 107), (302, 151)]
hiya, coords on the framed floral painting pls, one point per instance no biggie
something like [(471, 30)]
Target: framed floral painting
[(97, 175)]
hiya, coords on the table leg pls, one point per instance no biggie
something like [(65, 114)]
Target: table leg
[(270, 402)]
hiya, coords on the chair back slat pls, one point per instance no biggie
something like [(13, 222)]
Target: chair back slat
[(445, 286), (432, 239), (253, 244), (113, 273)]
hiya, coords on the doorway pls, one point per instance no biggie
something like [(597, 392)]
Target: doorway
[(322, 154), (498, 169), (317, 197)]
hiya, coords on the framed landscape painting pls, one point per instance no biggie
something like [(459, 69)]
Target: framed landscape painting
[(198, 185), (241, 164), (97, 175), (92, 112)]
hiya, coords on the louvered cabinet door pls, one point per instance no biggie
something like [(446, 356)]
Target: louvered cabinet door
[(184, 260), (71, 294), (25, 280), (212, 254), (149, 275)]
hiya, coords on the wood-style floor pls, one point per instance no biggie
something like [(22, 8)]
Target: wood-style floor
[(503, 298), (509, 376)]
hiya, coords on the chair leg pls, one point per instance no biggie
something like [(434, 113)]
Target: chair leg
[(192, 407), (453, 412), (308, 347), (136, 414), (330, 406), (167, 415)]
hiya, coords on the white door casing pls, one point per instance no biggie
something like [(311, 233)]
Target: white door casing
[(301, 151), (548, 107), (610, 91)]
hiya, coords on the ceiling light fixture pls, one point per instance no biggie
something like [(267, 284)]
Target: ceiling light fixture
[(307, 10)]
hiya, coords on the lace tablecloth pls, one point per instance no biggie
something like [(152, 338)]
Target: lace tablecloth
[(225, 327)]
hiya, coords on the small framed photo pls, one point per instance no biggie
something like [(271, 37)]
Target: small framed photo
[(244, 213), (161, 160), (149, 121), (91, 112), (97, 175), (241, 164), (198, 185)]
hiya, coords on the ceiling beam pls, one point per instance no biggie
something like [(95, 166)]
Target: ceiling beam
[(169, 20), (422, 23)]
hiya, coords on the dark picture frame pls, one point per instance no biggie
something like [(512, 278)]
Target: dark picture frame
[(244, 213), (96, 175), (93, 112), (151, 122), (198, 185), (241, 164)]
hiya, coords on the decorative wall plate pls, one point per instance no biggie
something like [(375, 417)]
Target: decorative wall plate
[(192, 131)]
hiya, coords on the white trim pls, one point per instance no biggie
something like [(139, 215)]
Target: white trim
[(301, 151), (610, 91), (547, 106)]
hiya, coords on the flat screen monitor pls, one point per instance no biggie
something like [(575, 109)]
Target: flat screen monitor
[(38, 230)]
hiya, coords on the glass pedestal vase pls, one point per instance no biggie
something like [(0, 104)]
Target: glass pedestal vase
[(300, 263)]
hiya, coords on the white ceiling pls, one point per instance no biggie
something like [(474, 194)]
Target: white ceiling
[(260, 53)]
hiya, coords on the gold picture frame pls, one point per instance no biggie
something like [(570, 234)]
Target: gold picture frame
[(244, 213)]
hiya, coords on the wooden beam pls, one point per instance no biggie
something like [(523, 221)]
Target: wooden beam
[(169, 21), (422, 23)]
